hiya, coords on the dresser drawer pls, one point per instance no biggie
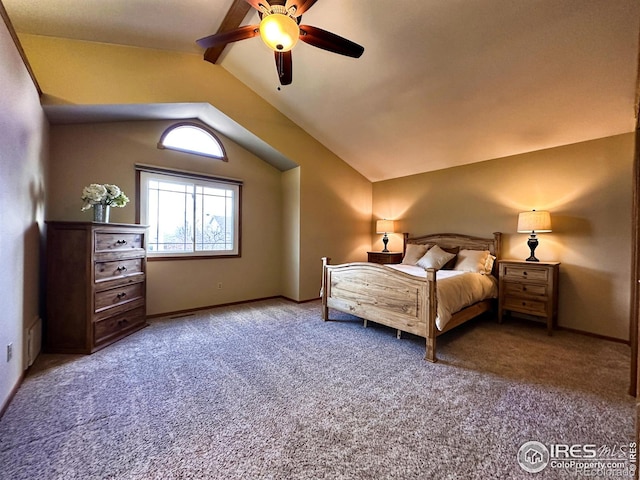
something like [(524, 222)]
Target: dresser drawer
[(115, 241), (118, 296), (525, 272), (113, 326), (117, 269), (522, 305), (524, 289)]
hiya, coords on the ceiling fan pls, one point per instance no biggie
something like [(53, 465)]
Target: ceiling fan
[(280, 29)]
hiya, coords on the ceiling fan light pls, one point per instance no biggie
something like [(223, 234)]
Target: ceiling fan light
[(279, 32)]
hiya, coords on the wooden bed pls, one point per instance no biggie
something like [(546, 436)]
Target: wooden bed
[(399, 300)]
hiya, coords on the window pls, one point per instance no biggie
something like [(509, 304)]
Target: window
[(189, 214), (192, 138)]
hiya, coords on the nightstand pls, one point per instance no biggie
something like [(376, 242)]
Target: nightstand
[(384, 257), (530, 288)]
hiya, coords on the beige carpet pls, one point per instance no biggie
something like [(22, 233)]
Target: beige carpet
[(267, 390)]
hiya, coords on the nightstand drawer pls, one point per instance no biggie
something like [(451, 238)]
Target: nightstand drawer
[(522, 305), (384, 257), (523, 289), (522, 272)]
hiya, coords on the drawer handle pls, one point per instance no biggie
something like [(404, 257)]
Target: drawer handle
[(121, 295), (123, 321), (524, 289), (121, 268), (524, 273), (121, 242)]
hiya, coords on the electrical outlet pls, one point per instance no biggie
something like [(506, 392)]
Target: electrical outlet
[(219, 285), (9, 351)]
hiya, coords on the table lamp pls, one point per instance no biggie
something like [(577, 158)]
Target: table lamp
[(534, 222), (385, 226)]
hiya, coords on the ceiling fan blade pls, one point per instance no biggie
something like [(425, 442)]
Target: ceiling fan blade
[(330, 41), (284, 65), (301, 5), (248, 31)]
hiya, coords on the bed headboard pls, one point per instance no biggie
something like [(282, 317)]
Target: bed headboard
[(468, 242)]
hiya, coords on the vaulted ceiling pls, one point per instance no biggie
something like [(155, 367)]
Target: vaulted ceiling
[(441, 83)]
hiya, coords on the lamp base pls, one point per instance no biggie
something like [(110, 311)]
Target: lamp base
[(532, 243), (385, 240)]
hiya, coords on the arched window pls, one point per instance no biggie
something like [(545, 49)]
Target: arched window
[(192, 138)]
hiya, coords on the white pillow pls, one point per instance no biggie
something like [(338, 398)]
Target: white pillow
[(435, 258), (414, 253), (472, 261)]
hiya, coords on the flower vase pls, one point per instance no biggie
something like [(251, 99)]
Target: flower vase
[(101, 213)]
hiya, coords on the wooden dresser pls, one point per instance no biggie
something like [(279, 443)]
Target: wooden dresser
[(96, 284), (530, 288)]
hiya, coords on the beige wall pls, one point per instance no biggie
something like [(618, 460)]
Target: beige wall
[(335, 200), (587, 187), (23, 155), (291, 233), (335, 216), (107, 152)]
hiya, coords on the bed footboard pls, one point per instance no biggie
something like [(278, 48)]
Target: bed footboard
[(383, 295)]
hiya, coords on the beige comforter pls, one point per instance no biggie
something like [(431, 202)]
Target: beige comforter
[(455, 290)]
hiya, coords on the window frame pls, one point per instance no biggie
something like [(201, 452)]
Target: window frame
[(205, 130), (197, 179)]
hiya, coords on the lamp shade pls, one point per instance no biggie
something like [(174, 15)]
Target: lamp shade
[(280, 32), (385, 226), (534, 221)]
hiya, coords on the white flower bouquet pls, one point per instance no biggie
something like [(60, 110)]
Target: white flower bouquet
[(97, 194)]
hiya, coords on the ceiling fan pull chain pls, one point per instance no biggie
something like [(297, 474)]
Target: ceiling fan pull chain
[(280, 64)]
